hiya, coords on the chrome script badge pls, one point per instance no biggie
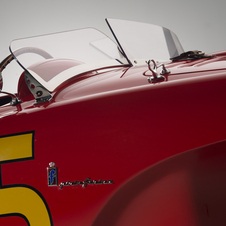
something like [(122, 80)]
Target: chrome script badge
[(85, 183), (52, 174)]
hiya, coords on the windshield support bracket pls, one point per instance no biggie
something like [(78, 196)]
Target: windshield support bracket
[(39, 92)]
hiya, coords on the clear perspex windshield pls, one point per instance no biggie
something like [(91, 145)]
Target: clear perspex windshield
[(78, 51), (145, 41), (81, 50)]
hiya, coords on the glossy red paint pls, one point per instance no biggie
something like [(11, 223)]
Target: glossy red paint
[(163, 145)]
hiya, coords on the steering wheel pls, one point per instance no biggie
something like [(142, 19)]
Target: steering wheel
[(19, 52)]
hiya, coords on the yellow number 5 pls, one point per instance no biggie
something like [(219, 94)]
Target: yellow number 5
[(21, 200)]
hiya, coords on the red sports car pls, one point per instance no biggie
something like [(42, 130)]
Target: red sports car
[(104, 133)]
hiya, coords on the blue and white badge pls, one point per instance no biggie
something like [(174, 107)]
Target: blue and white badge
[(52, 174)]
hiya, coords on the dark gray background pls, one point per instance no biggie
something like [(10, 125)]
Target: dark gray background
[(199, 24)]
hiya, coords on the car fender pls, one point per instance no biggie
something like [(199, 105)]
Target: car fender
[(186, 189)]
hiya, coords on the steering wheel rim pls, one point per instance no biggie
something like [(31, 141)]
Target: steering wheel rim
[(19, 52), (35, 50)]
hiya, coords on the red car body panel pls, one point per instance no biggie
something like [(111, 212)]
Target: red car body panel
[(162, 147)]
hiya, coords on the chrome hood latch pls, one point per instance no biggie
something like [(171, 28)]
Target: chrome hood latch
[(154, 77)]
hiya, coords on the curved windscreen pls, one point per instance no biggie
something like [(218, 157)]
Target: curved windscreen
[(144, 41), (52, 59)]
